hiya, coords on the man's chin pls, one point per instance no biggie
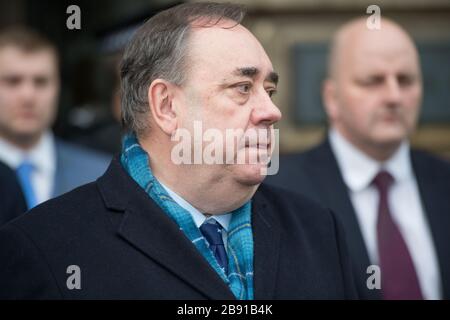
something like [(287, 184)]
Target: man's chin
[(251, 174), (23, 136), (391, 136)]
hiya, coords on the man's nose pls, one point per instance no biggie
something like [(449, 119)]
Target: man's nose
[(393, 91), (27, 91), (265, 111)]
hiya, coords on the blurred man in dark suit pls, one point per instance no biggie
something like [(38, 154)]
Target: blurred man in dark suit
[(152, 227), (29, 89), (393, 201), (12, 202)]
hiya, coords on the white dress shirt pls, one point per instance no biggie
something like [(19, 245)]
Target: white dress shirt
[(198, 217), (43, 158), (358, 171)]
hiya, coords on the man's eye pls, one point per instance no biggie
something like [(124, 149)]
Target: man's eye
[(405, 80), (244, 88), (371, 81), (41, 81), (12, 81), (271, 92)]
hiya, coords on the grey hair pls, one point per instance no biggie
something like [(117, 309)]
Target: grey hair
[(159, 50)]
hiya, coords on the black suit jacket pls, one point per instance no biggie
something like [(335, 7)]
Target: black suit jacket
[(12, 202), (316, 174), (126, 247)]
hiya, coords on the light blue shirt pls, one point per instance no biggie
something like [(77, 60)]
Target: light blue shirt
[(198, 217), (43, 158)]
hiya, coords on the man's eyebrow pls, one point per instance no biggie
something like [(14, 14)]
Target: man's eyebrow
[(272, 77), (252, 72)]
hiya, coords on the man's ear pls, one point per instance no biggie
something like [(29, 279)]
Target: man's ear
[(160, 96), (330, 99)]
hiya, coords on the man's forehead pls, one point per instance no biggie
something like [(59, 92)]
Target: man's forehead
[(384, 44), (14, 60), (15, 51), (372, 58), (14, 57), (230, 50), (383, 67), (384, 59), (222, 33)]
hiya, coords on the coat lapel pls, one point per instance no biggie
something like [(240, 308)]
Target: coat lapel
[(437, 209), (266, 238), (148, 229), (60, 172)]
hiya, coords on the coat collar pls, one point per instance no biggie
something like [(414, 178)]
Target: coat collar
[(148, 229), (266, 239), (433, 185)]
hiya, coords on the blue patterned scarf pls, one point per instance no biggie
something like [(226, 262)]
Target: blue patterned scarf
[(240, 237)]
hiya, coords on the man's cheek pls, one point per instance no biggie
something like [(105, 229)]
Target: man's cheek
[(46, 105), (7, 101)]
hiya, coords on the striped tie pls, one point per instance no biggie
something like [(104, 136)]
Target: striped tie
[(212, 231)]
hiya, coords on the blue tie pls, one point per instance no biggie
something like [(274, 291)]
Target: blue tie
[(213, 234), (24, 172)]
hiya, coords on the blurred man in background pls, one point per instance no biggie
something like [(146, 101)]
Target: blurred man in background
[(29, 89), (392, 201)]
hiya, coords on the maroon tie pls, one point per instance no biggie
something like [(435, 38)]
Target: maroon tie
[(398, 276)]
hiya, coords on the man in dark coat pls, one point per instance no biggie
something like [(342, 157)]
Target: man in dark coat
[(160, 224), (392, 201)]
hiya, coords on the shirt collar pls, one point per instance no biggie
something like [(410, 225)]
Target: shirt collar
[(399, 165), (10, 154), (358, 169), (198, 217), (42, 155)]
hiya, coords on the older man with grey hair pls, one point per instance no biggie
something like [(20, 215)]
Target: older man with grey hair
[(156, 228)]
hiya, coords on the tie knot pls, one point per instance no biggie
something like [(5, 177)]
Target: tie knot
[(383, 180), (212, 231), (25, 166)]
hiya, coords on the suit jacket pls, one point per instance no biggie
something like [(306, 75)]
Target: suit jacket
[(315, 173), (76, 166), (126, 247), (12, 202)]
